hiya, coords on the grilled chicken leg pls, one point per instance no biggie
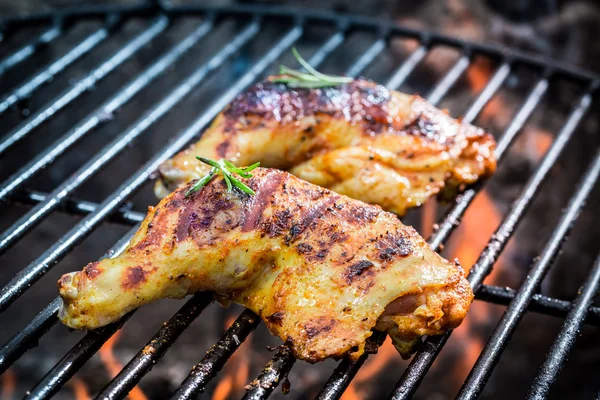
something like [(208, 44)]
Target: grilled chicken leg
[(358, 139), (321, 269)]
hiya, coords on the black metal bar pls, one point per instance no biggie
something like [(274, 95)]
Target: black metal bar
[(407, 67), (422, 361), (539, 303), (488, 92), (566, 338), (275, 371), (84, 84), (29, 49), (80, 12), (98, 116), (145, 359), (73, 361), (449, 79), (124, 215), (346, 371), (493, 349), (330, 45), (81, 230), (120, 143), (216, 357), (367, 58), (28, 337), (25, 90)]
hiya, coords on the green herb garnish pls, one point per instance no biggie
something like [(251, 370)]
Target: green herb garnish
[(308, 80), (227, 169)]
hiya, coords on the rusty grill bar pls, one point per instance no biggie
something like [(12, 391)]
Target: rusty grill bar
[(113, 208)]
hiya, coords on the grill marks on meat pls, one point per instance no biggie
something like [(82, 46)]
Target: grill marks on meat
[(318, 267), (358, 139), (354, 102)]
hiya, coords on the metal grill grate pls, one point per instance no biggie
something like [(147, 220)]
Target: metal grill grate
[(62, 198)]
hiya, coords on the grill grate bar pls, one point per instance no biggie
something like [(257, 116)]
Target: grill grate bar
[(274, 372), (367, 58), (100, 115), (124, 215), (141, 177), (74, 360), (28, 337), (488, 92), (84, 84), (493, 349), (47, 74), (145, 359), (449, 79), (346, 370), (539, 303), (38, 267), (216, 357), (566, 338), (422, 361), (28, 50), (332, 43), (270, 371), (407, 67)]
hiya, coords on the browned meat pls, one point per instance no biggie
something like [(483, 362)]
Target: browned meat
[(358, 139), (321, 269)]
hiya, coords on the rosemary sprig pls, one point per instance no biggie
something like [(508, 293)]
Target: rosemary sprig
[(227, 169), (310, 79)]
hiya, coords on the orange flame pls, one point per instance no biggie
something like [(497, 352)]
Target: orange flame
[(9, 384), (358, 388), (113, 366), (428, 217), (80, 389), (470, 238), (236, 371)]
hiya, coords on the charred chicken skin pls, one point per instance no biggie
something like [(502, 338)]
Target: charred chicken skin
[(358, 139), (321, 269)]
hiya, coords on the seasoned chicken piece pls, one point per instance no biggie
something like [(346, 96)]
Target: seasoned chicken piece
[(359, 139), (321, 269)]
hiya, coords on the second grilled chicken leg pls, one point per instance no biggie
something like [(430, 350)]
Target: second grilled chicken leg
[(359, 139)]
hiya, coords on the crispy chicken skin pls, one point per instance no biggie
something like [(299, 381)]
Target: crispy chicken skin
[(359, 139), (321, 269)]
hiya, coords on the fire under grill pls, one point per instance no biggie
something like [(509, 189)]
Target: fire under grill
[(246, 43)]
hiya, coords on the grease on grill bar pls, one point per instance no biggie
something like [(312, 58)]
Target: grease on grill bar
[(110, 208)]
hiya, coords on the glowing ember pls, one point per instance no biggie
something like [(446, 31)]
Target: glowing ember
[(80, 389), (113, 366), (9, 383)]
